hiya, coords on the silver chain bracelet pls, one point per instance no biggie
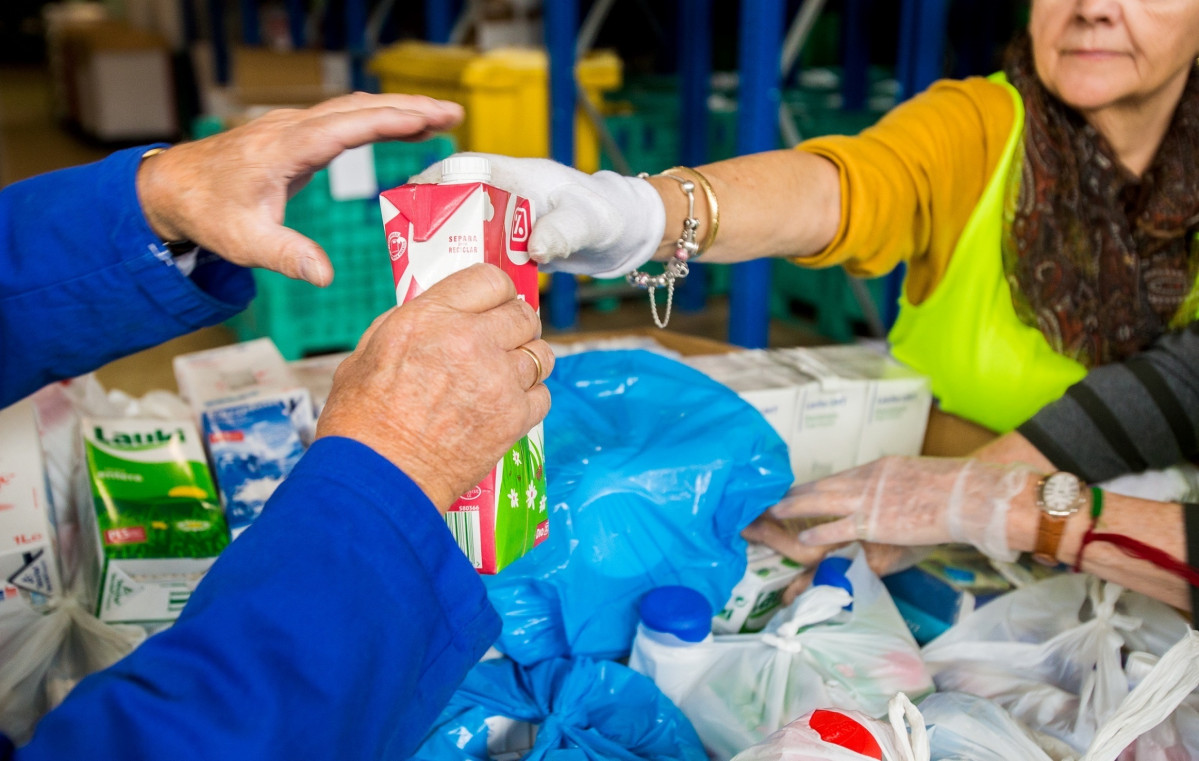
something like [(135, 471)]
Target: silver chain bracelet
[(676, 268)]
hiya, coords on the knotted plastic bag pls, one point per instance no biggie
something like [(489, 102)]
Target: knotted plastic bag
[(1053, 653), (653, 469), (815, 653), (582, 709)]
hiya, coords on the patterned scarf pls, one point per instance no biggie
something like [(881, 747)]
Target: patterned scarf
[(1102, 263)]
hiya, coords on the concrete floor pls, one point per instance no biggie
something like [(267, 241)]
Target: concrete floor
[(32, 142)]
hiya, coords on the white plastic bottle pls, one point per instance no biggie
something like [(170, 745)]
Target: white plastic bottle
[(673, 639)]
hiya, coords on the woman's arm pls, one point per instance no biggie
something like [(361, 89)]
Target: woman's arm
[(918, 501)]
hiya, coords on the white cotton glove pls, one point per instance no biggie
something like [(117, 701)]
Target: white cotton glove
[(912, 501), (602, 224)]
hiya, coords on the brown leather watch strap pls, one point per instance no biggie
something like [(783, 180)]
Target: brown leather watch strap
[(1049, 536)]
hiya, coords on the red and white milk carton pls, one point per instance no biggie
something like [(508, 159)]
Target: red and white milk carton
[(434, 231)]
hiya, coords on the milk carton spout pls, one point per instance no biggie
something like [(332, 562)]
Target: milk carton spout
[(457, 170)]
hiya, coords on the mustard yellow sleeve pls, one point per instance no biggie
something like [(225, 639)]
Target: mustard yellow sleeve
[(910, 183)]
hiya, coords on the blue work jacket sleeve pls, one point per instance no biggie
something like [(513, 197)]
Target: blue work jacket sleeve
[(336, 627), (83, 279)]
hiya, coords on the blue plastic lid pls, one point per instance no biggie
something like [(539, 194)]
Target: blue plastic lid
[(676, 610), (831, 573)]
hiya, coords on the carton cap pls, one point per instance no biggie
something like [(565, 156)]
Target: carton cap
[(460, 169)]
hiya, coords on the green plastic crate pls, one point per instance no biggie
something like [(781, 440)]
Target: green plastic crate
[(303, 319), (826, 293)]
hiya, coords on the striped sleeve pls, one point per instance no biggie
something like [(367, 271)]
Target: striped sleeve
[(1125, 418)]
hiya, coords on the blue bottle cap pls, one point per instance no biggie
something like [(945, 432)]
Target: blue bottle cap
[(676, 610), (831, 573)]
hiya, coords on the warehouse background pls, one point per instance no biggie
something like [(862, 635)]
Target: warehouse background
[(80, 79)]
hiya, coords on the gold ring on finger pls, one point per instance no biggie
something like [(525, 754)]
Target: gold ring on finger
[(536, 361)]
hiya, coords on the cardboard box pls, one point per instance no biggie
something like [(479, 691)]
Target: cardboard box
[(505, 515), (897, 400), (759, 594), (28, 561), (293, 77), (119, 81), (772, 391), (154, 524)]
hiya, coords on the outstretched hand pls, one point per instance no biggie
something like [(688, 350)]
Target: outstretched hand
[(227, 192)]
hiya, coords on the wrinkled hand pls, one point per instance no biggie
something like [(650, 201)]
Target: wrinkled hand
[(601, 224), (227, 192), (440, 385), (912, 501)]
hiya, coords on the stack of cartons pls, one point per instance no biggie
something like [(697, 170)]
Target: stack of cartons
[(835, 407)]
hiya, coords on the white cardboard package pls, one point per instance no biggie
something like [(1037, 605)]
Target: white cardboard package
[(28, 562)]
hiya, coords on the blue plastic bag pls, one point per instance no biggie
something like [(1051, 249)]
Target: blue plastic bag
[(585, 709), (652, 471)]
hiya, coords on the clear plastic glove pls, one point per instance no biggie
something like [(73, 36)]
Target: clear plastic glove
[(602, 224), (912, 501), (782, 537)]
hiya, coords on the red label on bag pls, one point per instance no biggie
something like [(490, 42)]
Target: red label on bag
[(840, 730)]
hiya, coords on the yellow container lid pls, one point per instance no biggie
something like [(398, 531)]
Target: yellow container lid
[(424, 61), (495, 69)]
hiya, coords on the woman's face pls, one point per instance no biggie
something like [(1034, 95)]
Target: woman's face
[(1094, 54)]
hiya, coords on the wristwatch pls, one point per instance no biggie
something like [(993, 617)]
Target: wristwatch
[(1059, 495)]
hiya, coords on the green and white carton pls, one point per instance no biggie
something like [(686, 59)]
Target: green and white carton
[(759, 594), (156, 524)]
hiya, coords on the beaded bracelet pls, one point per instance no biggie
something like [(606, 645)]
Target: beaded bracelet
[(676, 268)]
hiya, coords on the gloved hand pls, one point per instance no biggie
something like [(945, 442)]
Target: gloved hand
[(782, 537), (601, 224), (912, 501)]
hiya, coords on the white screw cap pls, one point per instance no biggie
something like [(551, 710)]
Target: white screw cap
[(459, 169)]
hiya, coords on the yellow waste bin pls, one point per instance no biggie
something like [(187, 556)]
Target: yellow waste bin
[(504, 91)]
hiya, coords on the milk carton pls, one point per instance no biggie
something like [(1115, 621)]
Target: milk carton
[(256, 418), (28, 563), (897, 400), (154, 526), (759, 594), (432, 232)]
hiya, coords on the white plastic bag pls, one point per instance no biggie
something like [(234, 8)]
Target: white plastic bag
[(738, 689), (1051, 653), (43, 655), (844, 735), (1157, 721)]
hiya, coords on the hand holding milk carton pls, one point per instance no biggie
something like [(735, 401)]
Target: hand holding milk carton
[(434, 231)]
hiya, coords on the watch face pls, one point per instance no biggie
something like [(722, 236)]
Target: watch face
[(1060, 492)]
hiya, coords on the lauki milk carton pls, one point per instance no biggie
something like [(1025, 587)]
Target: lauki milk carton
[(154, 525), (432, 232), (28, 563)]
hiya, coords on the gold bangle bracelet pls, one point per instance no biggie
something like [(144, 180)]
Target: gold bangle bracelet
[(713, 204)]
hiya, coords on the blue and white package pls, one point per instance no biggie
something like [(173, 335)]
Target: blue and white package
[(253, 446)]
